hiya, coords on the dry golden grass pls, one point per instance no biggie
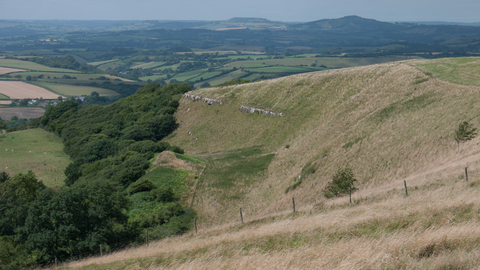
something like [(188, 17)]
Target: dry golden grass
[(21, 90), (388, 122), (436, 226), (399, 122)]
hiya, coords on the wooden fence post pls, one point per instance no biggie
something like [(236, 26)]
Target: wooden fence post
[(405, 184), (293, 204), (466, 174), (195, 224), (350, 194), (146, 238), (241, 216), (101, 251)]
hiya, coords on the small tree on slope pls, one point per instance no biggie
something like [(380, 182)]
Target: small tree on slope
[(342, 182), (464, 132)]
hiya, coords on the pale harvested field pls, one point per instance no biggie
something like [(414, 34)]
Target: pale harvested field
[(4, 70), (22, 113), (21, 90), (5, 102)]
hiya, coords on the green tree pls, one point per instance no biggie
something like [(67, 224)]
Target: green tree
[(342, 183), (3, 124), (74, 219), (464, 132)]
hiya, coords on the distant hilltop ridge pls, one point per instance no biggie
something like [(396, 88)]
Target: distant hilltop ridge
[(343, 23)]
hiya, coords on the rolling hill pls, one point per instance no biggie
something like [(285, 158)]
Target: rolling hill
[(388, 122)]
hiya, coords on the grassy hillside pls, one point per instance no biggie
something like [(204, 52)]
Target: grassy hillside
[(36, 150), (387, 122)]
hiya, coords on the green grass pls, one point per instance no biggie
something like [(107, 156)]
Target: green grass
[(3, 97), (31, 66), (154, 77), (207, 75), (237, 168), (283, 69), (189, 158), (153, 65), (456, 70), (227, 77), (101, 62), (185, 76), (36, 150), (168, 177), (73, 90)]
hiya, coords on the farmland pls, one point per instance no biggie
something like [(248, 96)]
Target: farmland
[(22, 113), (26, 65), (73, 90), (4, 70), (36, 150), (21, 90)]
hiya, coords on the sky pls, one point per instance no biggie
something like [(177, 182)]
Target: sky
[(275, 10)]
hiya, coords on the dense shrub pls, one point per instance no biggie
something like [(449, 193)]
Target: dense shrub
[(342, 183)]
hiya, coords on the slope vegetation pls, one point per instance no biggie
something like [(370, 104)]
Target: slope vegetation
[(388, 122)]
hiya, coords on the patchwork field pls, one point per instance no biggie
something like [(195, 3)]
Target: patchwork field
[(21, 90), (20, 112), (4, 70), (74, 90), (12, 63), (36, 150)]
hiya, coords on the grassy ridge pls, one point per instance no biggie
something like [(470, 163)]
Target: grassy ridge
[(389, 123), (385, 121)]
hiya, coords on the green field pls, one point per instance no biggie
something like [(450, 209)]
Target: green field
[(283, 69), (149, 65), (31, 66), (207, 75), (58, 76), (185, 76), (456, 70), (3, 97), (227, 77), (154, 77), (36, 150), (73, 90), (101, 62), (330, 62)]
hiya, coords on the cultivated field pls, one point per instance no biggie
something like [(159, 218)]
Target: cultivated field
[(26, 65), (4, 70), (21, 90), (36, 150), (20, 112), (5, 102), (74, 90)]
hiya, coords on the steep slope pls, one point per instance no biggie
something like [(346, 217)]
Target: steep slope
[(387, 122)]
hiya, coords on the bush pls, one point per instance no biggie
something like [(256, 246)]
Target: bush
[(176, 149), (342, 183), (141, 185)]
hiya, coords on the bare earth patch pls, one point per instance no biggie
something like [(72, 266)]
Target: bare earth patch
[(27, 113), (20, 90), (4, 70)]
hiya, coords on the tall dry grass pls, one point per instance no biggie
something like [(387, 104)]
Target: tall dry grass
[(398, 121), (388, 122), (436, 227)]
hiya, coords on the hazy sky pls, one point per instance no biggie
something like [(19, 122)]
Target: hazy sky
[(278, 10)]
